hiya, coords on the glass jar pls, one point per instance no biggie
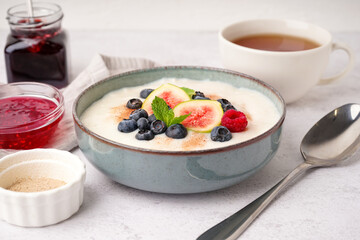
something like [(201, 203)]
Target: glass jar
[(36, 49)]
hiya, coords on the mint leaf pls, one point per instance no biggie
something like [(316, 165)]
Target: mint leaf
[(179, 119), (168, 117), (160, 108), (188, 91), (163, 113)]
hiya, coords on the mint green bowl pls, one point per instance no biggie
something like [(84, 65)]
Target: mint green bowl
[(181, 171)]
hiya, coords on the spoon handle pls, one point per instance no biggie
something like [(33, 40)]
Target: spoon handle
[(232, 227)]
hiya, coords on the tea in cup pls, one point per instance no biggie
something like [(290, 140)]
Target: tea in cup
[(289, 55)]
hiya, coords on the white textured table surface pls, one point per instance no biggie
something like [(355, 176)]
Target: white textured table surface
[(323, 204)]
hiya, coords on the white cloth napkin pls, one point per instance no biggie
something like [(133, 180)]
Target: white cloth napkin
[(100, 67)]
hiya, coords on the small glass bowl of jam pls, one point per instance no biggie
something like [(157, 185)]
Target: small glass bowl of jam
[(29, 114)]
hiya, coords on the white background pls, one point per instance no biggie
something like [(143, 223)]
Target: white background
[(323, 204), (204, 15)]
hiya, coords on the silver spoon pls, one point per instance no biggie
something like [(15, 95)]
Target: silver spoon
[(331, 140)]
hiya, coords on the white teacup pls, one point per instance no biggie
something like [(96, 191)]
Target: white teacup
[(292, 73)]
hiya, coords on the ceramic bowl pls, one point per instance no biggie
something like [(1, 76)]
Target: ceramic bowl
[(40, 208), (179, 171)]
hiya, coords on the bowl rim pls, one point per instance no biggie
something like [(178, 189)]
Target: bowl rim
[(270, 131)]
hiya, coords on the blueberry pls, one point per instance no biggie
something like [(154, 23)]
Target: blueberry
[(127, 125), (228, 107), (134, 103), (197, 94), (220, 134), (143, 124), (158, 127), (145, 92), (225, 104), (176, 131), (138, 113), (145, 135), (151, 118), (223, 101), (200, 98)]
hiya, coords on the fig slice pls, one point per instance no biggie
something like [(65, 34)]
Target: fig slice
[(172, 95), (205, 114)]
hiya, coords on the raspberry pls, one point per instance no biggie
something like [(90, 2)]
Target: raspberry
[(234, 120)]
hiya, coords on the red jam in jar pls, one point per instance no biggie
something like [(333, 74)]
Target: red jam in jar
[(28, 121), (36, 47)]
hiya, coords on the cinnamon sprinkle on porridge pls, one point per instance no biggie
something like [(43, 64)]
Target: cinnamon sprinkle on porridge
[(213, 96), (195, 140), (121, 112)]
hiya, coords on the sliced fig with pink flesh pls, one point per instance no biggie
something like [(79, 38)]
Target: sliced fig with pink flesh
[(171, 94), (205, 114)]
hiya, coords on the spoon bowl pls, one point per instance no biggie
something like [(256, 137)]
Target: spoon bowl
[(330, 141), (333, 138)]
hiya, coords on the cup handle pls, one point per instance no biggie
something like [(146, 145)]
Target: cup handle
[(350, 65)]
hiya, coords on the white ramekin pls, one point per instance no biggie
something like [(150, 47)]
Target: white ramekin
[(37, 209)]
